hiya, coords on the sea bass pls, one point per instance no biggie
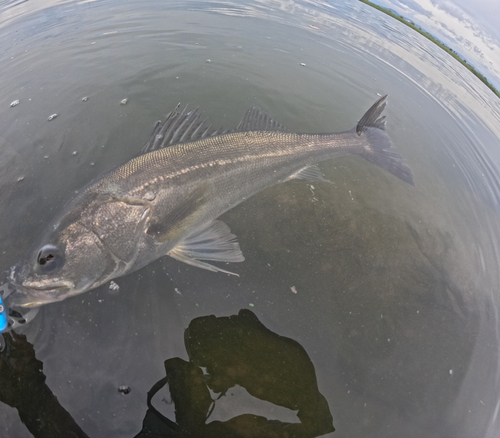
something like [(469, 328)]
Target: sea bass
[(166, 201)]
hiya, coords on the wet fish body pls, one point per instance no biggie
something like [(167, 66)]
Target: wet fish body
[(166, 201)]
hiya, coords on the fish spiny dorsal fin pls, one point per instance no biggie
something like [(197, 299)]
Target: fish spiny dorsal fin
[(257, 120), (179, 127)]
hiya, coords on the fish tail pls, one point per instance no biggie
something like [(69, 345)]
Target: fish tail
[(372, 128)]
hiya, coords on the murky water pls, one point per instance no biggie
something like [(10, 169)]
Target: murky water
[(391, 290)]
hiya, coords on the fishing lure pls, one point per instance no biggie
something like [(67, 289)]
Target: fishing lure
[(10, 318), (4, 321)]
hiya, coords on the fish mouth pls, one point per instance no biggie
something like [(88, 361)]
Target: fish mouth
[(35, 294), (65, 285)]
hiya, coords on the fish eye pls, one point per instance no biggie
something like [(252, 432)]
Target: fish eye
[(49, 258)]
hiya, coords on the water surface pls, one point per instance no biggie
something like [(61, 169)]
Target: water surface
[(396, 299)]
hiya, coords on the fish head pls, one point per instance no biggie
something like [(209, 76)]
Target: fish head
[(89, 245), (58, 267)]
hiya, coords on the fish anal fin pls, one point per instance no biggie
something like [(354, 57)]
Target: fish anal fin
[(214, 242), (165, 227), (257, 120), (310, 173)]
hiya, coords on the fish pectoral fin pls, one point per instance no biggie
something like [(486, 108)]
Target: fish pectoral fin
[(257, 120), (166, 226), (310, 173), (214, 242)]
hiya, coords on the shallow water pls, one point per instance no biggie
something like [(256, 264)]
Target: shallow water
[(396, 299)]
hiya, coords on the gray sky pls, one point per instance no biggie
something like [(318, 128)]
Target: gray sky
[(470, 27)]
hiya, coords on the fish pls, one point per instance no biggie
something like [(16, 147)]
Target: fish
[(167, 200)]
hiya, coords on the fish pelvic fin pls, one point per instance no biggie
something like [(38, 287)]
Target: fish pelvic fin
[(372, 128)]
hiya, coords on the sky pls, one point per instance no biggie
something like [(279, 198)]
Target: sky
[(470, 27)]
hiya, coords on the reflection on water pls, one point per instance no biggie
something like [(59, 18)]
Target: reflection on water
[(391, 290), (24, 388), (224, 354), (240, 353)]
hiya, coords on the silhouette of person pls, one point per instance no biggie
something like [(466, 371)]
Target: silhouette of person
[(223, 352), (22, 386), (239, 350)]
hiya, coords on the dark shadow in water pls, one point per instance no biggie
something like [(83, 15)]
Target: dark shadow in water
[(22, 386), (223, 352)]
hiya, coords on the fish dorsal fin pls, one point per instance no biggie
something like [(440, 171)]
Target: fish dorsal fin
[(257, 120), (214, 242), (180, 126)]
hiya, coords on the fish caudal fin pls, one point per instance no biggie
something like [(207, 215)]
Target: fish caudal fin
[(372, 127)]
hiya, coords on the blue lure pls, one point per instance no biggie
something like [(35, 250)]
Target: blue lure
[(4, 321), (11, 319)]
